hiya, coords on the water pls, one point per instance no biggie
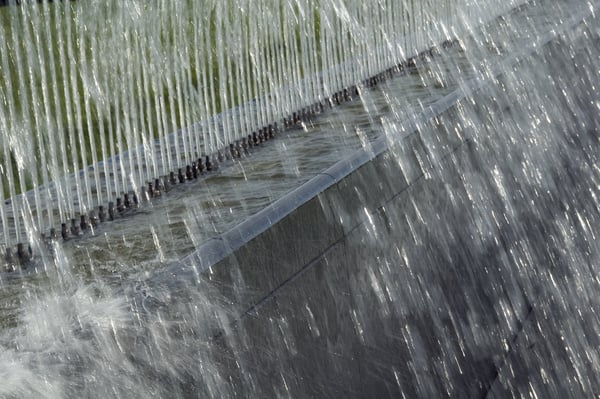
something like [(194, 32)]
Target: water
[(480, 277), (81, 91)]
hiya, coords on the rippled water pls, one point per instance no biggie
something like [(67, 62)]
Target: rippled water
[(484, 275)]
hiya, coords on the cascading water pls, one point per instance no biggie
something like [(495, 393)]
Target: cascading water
[(82, 91), (453, 254)]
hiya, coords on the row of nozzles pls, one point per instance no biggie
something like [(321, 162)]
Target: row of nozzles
[(203, 165), (22, 255)]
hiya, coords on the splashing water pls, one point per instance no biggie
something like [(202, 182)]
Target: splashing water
[(459, 262)]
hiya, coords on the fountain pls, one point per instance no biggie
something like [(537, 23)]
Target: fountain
[(86, 135), (302, 198)]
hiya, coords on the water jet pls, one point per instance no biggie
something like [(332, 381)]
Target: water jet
[(420, 238)]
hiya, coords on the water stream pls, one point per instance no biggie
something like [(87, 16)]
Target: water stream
[(479, 280)]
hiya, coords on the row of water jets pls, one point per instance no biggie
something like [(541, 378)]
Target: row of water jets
[(429, 287), (104, 104)]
